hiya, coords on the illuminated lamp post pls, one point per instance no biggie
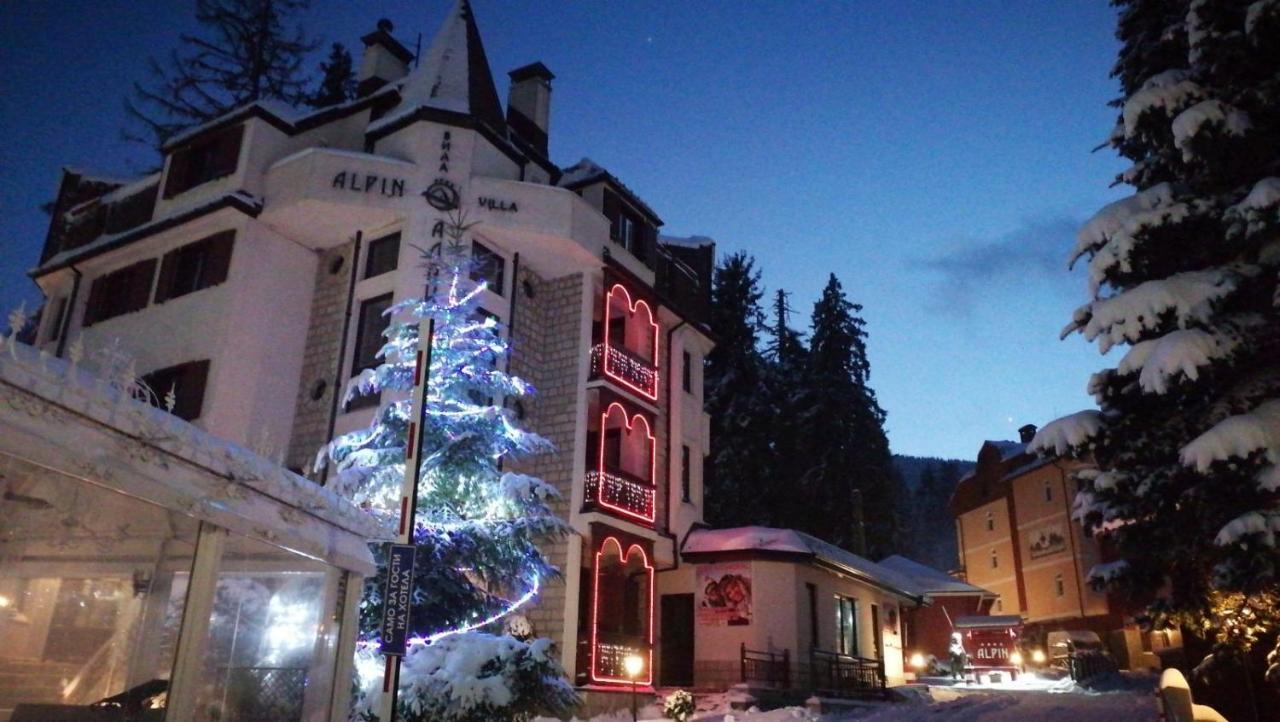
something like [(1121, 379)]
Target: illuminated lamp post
[(634, 665)]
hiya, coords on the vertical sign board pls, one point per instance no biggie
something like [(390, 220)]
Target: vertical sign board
[(395, 601)]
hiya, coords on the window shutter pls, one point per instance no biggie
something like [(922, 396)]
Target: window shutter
[(191, 381), (219, 259), (227, 152), (93, 307), (168, 269), (176, 182), (137, 286)]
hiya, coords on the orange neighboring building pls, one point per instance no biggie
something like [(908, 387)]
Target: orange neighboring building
[(1017, 539)]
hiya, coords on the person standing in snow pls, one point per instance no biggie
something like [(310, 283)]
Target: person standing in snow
[(959, 659)]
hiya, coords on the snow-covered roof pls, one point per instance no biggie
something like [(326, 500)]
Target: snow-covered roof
[(1008, 449), (928, 580), (588, 171), (790, 541), (454, 75), (239, 199), (82, 404), (275, 109)]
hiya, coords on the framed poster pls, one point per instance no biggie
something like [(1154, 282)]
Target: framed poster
[(724, 594), (1048, 540)]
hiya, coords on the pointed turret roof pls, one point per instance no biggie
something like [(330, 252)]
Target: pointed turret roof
[(454, 74)]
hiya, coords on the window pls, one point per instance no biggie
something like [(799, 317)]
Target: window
[(383, 255), (59, 307), (372, 322), (999, 605), (489, 266), (995, 560), (847, 626), (1048, 491), (186, 382), (687, 380), (684, 473), (812, 589), (210, 157), (120, 292), (627, 228), (1058, 586), (195, 266), (991, 521)]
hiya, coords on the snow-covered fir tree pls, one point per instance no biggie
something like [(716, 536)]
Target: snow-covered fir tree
[(1183, 277), (478, 526)]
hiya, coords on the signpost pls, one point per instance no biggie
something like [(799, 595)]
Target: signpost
[(402, 554)]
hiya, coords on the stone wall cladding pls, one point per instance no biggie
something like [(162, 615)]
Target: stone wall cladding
[(546, 350), (320, 359)]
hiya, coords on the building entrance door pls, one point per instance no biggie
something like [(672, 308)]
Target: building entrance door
[(677, 640)]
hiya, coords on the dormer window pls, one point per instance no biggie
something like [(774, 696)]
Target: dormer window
[(628, 228), (209, 157)]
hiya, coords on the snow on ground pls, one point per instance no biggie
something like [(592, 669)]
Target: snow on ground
[(1123, 698)]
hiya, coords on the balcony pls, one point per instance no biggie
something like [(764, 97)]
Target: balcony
[(617, 491), (625, 367)]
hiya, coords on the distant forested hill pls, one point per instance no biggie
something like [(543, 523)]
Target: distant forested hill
[(928, 530)]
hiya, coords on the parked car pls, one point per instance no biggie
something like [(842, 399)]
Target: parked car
[(1080, 652)]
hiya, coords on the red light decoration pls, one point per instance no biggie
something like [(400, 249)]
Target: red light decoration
[(610, 359), (648, 513), (597, 674)]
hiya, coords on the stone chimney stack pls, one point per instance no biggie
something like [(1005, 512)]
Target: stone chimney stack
[(1027, 433), (385, 59), (529, 104)]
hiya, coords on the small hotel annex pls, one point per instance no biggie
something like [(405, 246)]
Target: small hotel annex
[(250, 275)]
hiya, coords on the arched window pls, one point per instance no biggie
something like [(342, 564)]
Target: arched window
[(622, 612), (995, 560)]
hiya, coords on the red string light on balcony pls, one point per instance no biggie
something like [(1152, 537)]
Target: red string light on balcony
[(623, 366), (625, 490), (618, 651)]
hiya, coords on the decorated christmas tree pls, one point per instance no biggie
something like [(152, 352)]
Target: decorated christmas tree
[(1183, 273), (477, 528)]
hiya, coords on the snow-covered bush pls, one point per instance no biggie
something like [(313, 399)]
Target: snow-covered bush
[(678, 706)]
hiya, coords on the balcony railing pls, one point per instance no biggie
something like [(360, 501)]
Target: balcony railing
[(842, 675), (617, 491), (626, 367)]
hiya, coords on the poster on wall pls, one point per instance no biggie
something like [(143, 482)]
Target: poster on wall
[(1048, 540), (724, 594)]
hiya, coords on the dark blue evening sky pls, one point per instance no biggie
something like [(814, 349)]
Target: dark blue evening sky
[(935, 155)]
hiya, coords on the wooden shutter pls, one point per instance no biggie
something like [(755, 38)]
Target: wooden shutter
[(168, 271), (93, 306), (137, 285), (218, 261), (226, 153), (191, 382)]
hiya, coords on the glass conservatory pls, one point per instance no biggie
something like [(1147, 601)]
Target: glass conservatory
[(151, 572)]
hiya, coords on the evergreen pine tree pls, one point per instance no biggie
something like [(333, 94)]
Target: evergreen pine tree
[(1187, 438), (337, 79), (247, 52), (741, 431), (784, 395), (850, 474), (478, 527)]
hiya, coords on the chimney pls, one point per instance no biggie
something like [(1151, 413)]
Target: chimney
[(1027, 433), (529, 104), (385, 59)]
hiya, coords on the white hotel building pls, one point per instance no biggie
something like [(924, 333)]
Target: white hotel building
[(250, 274)]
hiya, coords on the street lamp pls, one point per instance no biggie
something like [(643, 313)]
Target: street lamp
[(634, 665)]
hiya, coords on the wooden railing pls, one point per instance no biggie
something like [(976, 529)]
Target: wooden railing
[(843, 675), (627, 367), (616, 491), (771, 668)]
